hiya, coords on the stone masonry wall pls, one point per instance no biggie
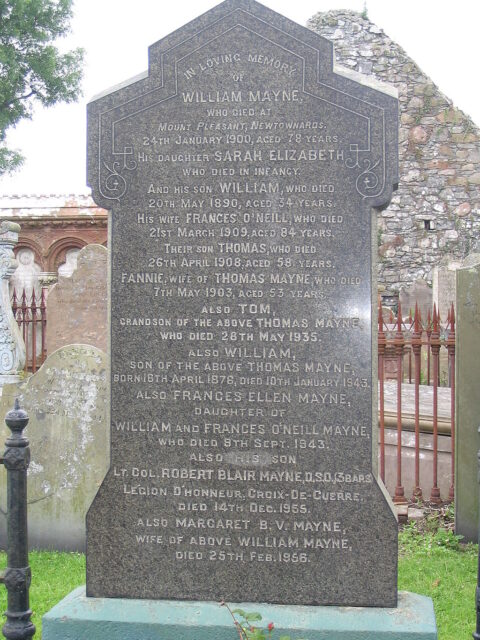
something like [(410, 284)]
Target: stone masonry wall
[(434, 217)]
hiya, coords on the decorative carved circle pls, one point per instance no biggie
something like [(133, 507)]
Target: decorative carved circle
[(6, 360)]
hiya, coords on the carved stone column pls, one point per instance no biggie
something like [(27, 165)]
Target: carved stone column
[(12, 347)]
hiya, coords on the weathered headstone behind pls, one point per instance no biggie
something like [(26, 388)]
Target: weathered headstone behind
[(419, 294), (66, 401), (240, 174), (467, 359), (77, 304), (444, 288)]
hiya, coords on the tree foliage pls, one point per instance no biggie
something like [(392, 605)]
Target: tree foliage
[(32, 69)]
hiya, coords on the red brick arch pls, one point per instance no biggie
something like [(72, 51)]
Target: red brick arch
[(58, 250), (27, 243)]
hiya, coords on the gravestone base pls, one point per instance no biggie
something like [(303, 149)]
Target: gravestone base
[(77, 617)]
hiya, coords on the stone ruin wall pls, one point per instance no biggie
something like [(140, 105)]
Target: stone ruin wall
[(439, 157)]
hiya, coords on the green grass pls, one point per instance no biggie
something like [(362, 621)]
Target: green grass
[(433, 564), (437, 565), (54, 575)]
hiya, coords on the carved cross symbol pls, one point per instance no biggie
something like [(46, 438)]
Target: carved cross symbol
[(366, 182), (115, 184)]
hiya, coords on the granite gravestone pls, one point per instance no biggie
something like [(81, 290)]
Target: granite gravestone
[(241, 172)]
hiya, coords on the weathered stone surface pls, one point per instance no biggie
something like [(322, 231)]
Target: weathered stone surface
[(444, 288), (241, 175), (419, 135), (66, 401), (418, 294), (467, 365), (77, 304), (434, 136)]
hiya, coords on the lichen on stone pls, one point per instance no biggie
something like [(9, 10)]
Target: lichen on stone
[(434, 168)]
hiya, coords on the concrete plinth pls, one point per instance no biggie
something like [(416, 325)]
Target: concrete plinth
[(77, 617)]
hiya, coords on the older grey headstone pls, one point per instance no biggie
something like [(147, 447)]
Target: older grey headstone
[(418, 294), (467, 410), (77, 304), (241, 172), (444, 288), (66, 400)]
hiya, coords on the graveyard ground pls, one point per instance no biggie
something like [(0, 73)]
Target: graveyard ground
[(432, 561)]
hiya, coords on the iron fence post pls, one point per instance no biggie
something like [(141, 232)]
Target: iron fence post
[(17, 575)]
